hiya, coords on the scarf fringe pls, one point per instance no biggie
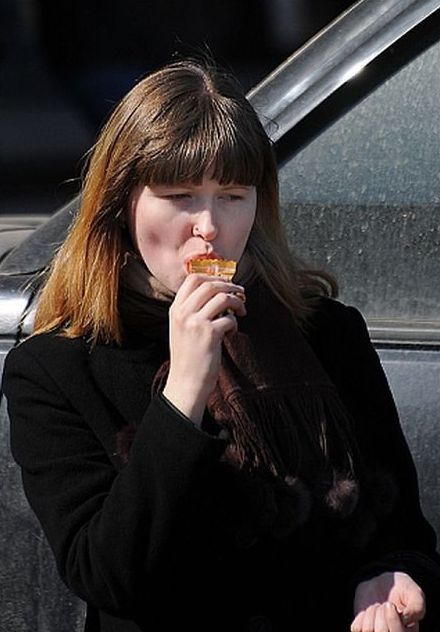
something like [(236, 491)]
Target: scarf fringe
[(304, 437)]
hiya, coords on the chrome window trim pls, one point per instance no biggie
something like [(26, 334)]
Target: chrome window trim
[(302, 82), (404, 333)]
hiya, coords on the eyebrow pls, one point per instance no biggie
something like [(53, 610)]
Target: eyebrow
[(237, 186), (192, 185)]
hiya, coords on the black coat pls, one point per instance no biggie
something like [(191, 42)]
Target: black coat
[(145, 543)]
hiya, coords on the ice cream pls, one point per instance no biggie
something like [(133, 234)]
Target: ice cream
[(216, 267)]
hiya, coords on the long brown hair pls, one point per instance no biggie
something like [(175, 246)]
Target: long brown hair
[(171, 127)]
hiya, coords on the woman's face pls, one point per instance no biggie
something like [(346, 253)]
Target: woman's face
[(171, 224)]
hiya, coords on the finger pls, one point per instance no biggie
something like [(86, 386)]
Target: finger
[(372, 619), (241, 296), (369, 618), (198, 279), (356, 625), (224, 325), (381, 618), (220, 304), (381, 623), (415, 606), (211, 300), (409, 622), (198, 289), (393, 619)]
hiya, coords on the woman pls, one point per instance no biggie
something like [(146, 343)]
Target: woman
[(213, 454)]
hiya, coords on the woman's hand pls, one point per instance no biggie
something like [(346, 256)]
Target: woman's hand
[(390, 602), (202, 313)]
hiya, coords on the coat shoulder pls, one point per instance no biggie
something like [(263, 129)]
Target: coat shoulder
[(47, 354), (51, 347), (332, 320)]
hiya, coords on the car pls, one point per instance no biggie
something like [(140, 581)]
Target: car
[(354, 119)]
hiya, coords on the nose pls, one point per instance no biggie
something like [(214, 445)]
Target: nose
[(205, 224)]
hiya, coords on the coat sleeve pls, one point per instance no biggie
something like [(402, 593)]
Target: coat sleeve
[(112, 532), (403, 540)]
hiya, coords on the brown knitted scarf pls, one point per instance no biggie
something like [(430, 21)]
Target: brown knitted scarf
[(285, 420)]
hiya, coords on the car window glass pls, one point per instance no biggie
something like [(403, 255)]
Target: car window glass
[(363, 198)]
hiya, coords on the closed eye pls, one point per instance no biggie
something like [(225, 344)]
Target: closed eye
[(231, 197), (177, 196)]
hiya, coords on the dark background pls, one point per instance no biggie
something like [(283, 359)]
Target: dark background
[(64, 64)]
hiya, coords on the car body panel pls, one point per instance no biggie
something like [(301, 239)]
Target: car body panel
[(414, 378)]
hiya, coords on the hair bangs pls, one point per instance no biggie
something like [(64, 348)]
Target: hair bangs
[(216, 139)]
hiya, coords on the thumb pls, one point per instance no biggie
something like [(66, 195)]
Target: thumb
[(414, 609)]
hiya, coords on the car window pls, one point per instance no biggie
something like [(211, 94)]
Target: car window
[(362, 199)]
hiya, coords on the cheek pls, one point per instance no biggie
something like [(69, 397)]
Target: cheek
[(237, 235), (150, 238), (147, 240), (244, 226), (153, 230), (158, 242)]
